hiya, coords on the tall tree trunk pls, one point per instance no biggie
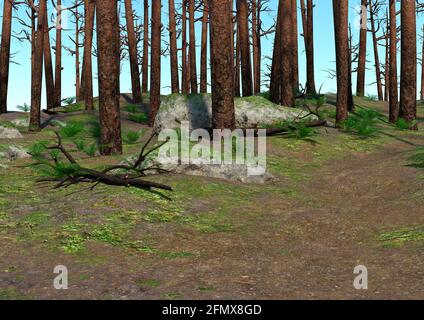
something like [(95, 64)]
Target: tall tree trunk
[(237, 91), (77, 58), (58, 56), (255, 44), (340, 11), (350, 104), (387, 64), (274, 87), (394, 98), (185, 73), (362, 59), (193, 67), (223, 115), (376, 57), (204, 50), (108, 75), (37, 76), (87, 60), (287, 89), (175, 86), (145, 66), (310, 82), (422, 69), (5, 54), (243, 32), (155, 61), (132, 48), (48, 66), (408, 81)]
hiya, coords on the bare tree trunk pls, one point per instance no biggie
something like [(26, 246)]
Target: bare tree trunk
[(37, 76), (243, 32), (108, 74), (132, 49), (48, 66), (145, 67), (87, 59), (387, 64), (274, 88), (350, 104), (310, 83), (58, 56), (237, 91), (223, 116), (175, 86), (77, 58), (362, 59), (394, 98), (193, 67), (185, 73), (408, 81), (287, 89), (5, 54), (155, 61), (376, 58), (422, 69), (340, 10), (204, 50), (255, 43)]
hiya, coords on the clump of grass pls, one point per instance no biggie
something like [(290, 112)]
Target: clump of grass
[(417, 159), (91, 150), (24, 108), (362, 123), (71, 129), (401, 237), (402, 124), (132, 108), (139, 118), (131, 137), (69, 100)]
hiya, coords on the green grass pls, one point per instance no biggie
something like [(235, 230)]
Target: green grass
[(141, 118), (149, 283), (399, 238)]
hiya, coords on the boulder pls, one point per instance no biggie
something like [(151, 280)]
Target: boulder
[(250, 112), (21, 122), (12, 153), (10, 133)]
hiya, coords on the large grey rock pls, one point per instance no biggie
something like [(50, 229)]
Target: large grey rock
[(12, 153), (10, 133), (250, 112)]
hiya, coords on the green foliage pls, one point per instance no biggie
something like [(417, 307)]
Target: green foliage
[(71, 129), (73, 108), (399, 238), (131, 137), (132, 108), (139, 118), (24, 108), (55, 170), (417, 159), (402, 124), (80, 144), (362, 123), (91, 150), (37, 149), (68, 101), (372, 97), (95, 130)]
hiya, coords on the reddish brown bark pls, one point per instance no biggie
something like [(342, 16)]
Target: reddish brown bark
[(387, 63), (87, 60), (5, 54), (132, 48), (408, 81), (145, 66), (58, 57), (274, 91), (310, 73), (184, 73), (376, 56), (422, 69), (155, 61), (243, 33), (77, 57), (340, 11), (287, 89), (223, 116), (362, 58), (48, 66), (256, 47), (204, 49), (37, 76), (394, 97), (108, 76), (175, 87), (192, 31), (237, 92)]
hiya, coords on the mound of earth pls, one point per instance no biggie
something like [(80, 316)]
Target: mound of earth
[(251, 112)]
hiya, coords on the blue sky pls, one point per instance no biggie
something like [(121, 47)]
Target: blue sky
[(19, 85)]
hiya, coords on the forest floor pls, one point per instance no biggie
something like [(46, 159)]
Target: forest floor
[(340, 201)]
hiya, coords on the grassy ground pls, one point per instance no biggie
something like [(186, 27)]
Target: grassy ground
[(339, 201)]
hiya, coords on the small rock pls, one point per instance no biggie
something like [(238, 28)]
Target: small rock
[(13, 153), (10, 133), (21, 122), (3, 166)]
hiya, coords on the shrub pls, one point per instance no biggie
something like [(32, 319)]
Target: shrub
[(402, 124), (362, 123), (417, 159), (68, 101), (131, 108), (131, 137), (24, 108), (95, 130), (91, 150), (71, 129), (139, 118)]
